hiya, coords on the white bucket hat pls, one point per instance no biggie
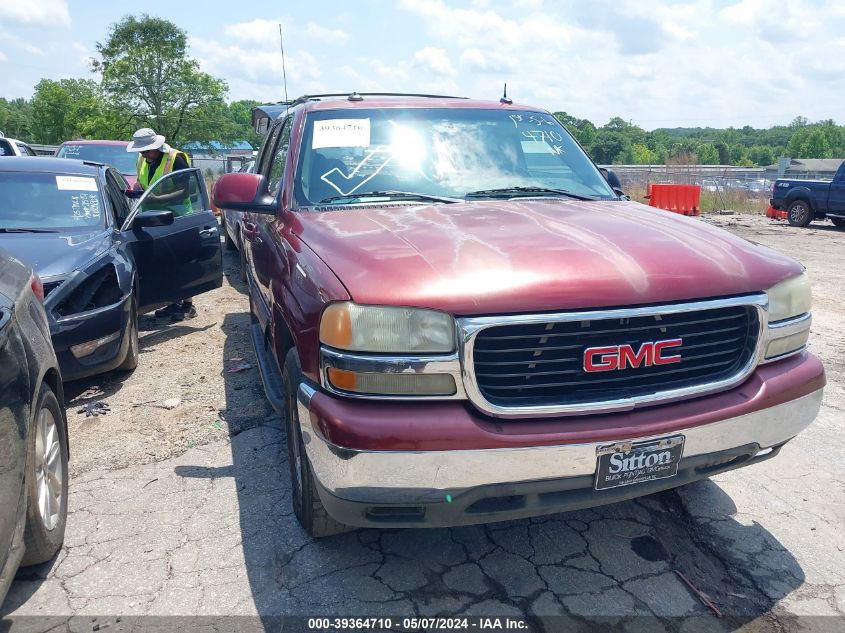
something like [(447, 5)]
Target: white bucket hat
[(145, 139)]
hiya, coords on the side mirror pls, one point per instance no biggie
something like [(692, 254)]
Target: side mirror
[(244, 192), (153, 218), (613, 180)]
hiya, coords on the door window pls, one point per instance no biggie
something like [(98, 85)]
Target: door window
[(275, 179), (180, 192), (266, 152), (115, 190)]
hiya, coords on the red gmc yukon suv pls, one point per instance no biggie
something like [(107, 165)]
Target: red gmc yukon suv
[(462, 321)]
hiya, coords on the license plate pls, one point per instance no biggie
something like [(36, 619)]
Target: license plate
[(626, 463)]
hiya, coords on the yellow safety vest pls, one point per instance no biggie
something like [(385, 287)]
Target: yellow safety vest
[(165, 166)]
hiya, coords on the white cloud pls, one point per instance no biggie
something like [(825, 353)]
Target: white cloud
[(35, 12), (2, 56), (744, 12), (434, 60), (259, 33), (323, 34), (20, 44), (256, 73), (476, 61)]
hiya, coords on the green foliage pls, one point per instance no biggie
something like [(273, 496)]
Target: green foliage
[(16, 118), (707, 154), (145, 67), (642, 155), (74, 108)]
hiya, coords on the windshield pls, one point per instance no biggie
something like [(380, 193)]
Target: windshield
[(441, 152), (49, 201), (115, 155)]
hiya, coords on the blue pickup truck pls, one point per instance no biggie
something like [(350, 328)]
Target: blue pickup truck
[(808, 200)]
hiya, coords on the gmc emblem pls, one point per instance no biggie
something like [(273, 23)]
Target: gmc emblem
[(624, 357)]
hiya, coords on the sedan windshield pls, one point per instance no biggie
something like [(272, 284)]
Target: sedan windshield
[(346, 155), (114, 155), (49, 201)]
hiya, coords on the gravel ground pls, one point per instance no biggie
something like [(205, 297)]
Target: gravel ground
[(186, 510), (184, 393)]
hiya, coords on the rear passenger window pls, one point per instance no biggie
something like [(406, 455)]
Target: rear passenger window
[(6, 148)]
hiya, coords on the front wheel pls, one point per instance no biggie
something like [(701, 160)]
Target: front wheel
[(799, 213), (46, 480), (307, 507), (838, 222), (130, 362)]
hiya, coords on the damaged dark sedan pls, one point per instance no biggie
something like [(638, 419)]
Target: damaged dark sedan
[(103, 257)]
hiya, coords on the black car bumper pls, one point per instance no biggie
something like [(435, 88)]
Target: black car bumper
[(105, 329)]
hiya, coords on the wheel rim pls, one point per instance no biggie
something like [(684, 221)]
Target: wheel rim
[(49, 476), (797, 212)]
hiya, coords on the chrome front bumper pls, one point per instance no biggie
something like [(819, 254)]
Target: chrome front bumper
[(408, 477)]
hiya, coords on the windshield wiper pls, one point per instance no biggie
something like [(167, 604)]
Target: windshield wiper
[(16, 230), (532, 191), (402, 195)]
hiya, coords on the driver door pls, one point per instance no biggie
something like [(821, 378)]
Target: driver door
[(175, 240)]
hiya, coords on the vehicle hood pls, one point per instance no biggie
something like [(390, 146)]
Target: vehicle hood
[(52, 254), (535, 255)]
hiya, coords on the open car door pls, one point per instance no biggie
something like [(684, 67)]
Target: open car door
[(175, 239)]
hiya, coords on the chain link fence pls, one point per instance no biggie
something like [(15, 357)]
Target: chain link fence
[(736, 188)]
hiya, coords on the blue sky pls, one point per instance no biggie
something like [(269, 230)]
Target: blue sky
[(656, 63)]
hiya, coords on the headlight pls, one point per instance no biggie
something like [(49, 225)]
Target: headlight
[(381, 329), (789, 298), (789, 318)]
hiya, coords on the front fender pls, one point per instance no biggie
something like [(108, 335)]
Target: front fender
[(800, 193)]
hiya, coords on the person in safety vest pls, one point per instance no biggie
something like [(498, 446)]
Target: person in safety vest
[(156, 159)]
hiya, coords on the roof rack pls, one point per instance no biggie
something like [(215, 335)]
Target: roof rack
[(356, 96)]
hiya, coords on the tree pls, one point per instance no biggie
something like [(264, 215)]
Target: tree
[(724, 155), (816, 145), (241, 113), (607, 148), (762, 155), (16, 118), (642, 155), (707, 154), (146, 68)]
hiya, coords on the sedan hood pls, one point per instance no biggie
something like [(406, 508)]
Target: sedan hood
[(535, 255), (52, 254)]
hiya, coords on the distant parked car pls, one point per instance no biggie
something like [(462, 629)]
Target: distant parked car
[(102, 260), (711, 185), (33, 427), (230, 219), (109, 152), (14, 147)]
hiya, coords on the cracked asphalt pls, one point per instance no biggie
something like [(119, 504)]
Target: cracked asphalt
[(210, 530)]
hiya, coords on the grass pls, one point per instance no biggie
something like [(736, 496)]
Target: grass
[(735, 200)]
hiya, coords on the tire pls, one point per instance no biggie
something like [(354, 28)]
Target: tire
[(45, 523), (242, 258), (130, 361), (307, 507), (230, 245), (838, 222), (799, 213)]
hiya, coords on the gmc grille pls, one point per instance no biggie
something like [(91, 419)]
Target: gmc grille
[(542, 364)]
